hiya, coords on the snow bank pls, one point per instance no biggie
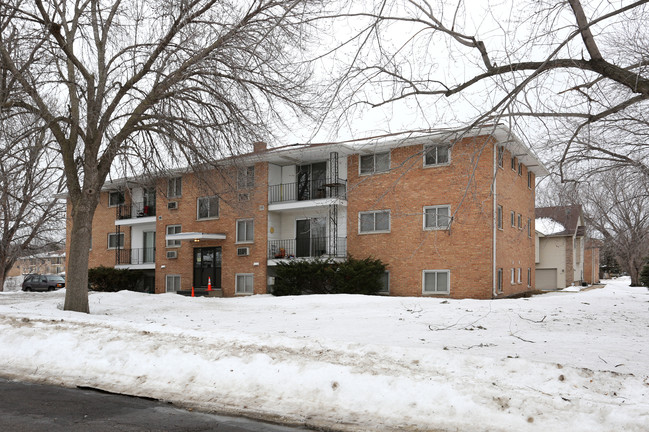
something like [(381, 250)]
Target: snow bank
[(568, 361)]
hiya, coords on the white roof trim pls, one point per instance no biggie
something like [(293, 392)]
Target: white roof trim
[(195, 236)]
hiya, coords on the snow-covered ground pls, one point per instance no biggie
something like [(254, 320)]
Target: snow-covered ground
[(573, 361)]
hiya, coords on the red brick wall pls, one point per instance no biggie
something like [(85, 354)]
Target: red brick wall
[(514, 248), (408, 249), (230, 209)]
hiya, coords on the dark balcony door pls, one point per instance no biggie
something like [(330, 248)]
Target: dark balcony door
[(311, 181), (148, 206), (149, 247), (207, 265), (310, 240)]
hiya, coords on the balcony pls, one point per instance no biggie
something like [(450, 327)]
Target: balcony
[(325, 247), (307, 190), (135, 258), (135, 210)]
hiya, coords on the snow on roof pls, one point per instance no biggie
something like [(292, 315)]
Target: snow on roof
[(547, 226)]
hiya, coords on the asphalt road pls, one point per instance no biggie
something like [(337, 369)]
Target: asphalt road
[(40, 408)]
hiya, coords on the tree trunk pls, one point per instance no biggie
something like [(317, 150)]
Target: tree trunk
[(76, 296)]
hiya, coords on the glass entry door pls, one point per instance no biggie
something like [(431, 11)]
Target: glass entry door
[(310, 237), (149, 247), (311, 180), (207, 265)]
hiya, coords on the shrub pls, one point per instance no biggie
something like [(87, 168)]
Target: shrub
[(644, 275), (109, 279), (352, 276)]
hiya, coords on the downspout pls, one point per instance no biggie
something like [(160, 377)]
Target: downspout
[(494, 221)]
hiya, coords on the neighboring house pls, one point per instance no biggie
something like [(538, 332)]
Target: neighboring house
[(591, 261), (44, 263), (559, 247), (450, 215)]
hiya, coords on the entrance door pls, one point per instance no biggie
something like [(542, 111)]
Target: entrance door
[(310, 237), (149, 247), (207, 265), (311, 181)]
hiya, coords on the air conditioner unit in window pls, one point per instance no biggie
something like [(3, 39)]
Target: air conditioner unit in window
[(172, 254), (172, 205), (243, 251)]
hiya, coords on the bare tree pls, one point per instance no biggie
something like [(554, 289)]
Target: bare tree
[(559, 73), (617, 207), (31, 218), (175, 81)]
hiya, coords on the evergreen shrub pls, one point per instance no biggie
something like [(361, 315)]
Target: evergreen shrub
[(110, 279)]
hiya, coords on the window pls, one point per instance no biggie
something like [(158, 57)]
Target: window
[(499, 219), (115, 240), (243, 284), (385, 283), (513, 281), (520, 221), (529, 277), (172, 283), (529, 227), (513, 163), (518, 274), (115, 198), (437, 155), (374, 221), (578, 251), (513, 218), (436, 281), (520, 169), (246, 177), (437, 217), (245, 231), (501, 155), (173, 229), (375, 163), (175, 187), (529, 179), (500, 280), (207, 207)]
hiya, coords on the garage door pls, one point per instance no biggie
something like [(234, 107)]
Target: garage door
[(546, 279)]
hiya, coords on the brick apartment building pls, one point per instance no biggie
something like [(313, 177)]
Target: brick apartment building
[(450, 215)]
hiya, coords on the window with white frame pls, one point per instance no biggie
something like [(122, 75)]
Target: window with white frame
[(529, 179), (245, 230), (115, 240), (115, 198), (175, 187), (529, 227), (246, 177), (375, 163), (500, 280), (207, 207), (436, 281), (520, 169), (437, 217), (437, 155), (172, 283), (385, 283), (520, 221), (519, 271), (499, 217), (513, 281), (514, 163), (244, 283), (374, 221), (513, 218), (529, 276), (173, 229), (501, 155)]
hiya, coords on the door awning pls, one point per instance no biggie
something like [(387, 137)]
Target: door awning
[(195, 236)]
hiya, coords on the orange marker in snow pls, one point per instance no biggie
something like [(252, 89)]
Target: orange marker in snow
[(192, 290), (209, 284)]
